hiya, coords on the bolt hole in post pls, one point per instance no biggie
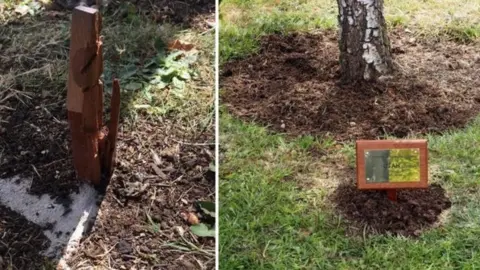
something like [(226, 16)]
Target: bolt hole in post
[(391, 165)]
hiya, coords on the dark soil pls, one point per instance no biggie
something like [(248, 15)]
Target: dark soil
[(184, 12), (292, 85), (413, 211), (35, 142), (20, 241), (146, 201)]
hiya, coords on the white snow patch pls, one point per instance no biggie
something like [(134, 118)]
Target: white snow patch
[(68, 226)]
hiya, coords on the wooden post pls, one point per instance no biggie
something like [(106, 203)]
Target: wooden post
[(392, 194), (84, 90), (93, 150)]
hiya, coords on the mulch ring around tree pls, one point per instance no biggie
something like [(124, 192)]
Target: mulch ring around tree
[(414, 210), (292, 86)]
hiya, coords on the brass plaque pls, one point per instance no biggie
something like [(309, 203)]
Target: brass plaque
[(393, 165)]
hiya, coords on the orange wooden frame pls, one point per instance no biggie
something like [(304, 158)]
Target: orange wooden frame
[(363, 145)]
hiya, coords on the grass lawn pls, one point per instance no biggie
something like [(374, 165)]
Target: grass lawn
[(275, 211)]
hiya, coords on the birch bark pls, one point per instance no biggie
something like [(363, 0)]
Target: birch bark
[(364, 44)]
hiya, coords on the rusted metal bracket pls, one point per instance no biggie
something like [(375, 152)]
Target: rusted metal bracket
[(93, 146)]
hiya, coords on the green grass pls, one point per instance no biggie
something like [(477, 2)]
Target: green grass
[(154, 81), (243, 22), (274, 207), (268, 221)]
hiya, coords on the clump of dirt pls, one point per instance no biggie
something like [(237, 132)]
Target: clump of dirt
[(292, 85), (413, 211), (20, 242)]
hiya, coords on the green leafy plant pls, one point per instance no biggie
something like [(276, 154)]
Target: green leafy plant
[(161, 72), (161, 81), (202, 230)]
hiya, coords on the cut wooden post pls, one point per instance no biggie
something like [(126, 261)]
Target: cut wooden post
[(85, 93), (93, 150)]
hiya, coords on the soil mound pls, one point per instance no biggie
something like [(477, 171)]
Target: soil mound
[(413, 211), (292, 85)]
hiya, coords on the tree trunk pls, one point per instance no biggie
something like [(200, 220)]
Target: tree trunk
[(364, 44)]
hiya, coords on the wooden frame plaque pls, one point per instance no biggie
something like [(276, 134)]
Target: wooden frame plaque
[(392, 164)]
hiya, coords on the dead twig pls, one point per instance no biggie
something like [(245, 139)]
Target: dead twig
[(35, 169), (195, 144)]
